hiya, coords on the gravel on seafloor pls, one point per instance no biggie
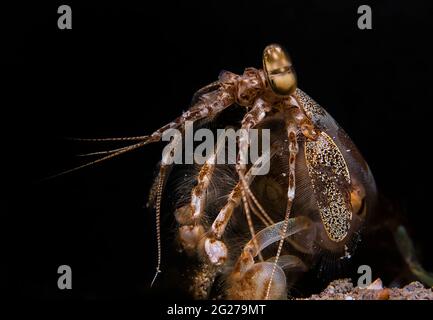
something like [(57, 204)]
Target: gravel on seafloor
[(343, 289)]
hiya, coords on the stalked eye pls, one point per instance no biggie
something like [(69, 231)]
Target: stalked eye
[(279, 71)]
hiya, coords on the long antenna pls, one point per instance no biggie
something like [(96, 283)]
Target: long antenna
[(161, 178)]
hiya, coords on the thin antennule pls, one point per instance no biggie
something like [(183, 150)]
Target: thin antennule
[(115, 154), (251, 195), (158, 219), (96, 153), (257, 213), (249, 220), (137, 138)]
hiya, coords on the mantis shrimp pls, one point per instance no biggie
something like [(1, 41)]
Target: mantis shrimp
[(315, 196)]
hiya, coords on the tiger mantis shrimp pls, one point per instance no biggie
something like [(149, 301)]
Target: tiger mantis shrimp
[(322, 186)]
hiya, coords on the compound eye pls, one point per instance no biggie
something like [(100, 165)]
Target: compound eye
[(279, 71)]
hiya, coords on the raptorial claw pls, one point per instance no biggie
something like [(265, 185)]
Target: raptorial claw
[(250, 280)]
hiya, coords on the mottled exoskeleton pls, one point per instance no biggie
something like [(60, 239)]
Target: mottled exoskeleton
[(314, 198)]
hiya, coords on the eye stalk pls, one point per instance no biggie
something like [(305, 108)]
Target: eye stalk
[(279, 71)]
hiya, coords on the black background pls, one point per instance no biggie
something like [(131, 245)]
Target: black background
[(127, 68)]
